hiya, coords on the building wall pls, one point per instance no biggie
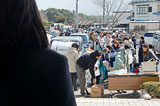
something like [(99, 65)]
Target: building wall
[(145, 26), (150, 16)]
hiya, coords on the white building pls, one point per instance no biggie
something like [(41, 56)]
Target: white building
[(145, 10)]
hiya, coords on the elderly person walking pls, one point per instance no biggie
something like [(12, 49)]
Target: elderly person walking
[(73, 55)]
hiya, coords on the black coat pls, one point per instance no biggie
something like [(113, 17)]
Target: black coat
[(38, 78), (149, 56), (87, 61)]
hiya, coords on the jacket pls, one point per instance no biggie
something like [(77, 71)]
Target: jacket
[(72, 55), (121, 58), (149, 56), (130, 56), (87, 61), (37, 77), (110, 57)]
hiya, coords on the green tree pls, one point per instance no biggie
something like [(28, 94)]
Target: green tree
[(65, 16), (60, 19)]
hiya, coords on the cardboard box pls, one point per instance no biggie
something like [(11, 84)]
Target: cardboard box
[(97, 91)]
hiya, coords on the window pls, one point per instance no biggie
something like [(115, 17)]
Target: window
[(143, 28), (149, 9), (142, 10)]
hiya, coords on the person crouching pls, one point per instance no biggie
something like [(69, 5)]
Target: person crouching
[(85, 62)]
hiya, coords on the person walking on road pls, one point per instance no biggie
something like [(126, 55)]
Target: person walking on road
[(31, 73), (85, 62), (73, 55)]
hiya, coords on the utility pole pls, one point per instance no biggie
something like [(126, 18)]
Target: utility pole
[(104, 11), (77, 14)]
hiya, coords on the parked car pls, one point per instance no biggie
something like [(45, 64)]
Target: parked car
[(54, 33), (56, 26), (65, 28), (104, 29), (156, 42), (148, 37), (85, 38), (62, 44)]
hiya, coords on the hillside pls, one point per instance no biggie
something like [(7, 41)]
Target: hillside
[(67, 17)]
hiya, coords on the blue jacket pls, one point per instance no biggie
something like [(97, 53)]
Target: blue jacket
[(112, 55)]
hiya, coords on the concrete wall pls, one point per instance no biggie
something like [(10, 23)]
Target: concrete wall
[(149, 26)]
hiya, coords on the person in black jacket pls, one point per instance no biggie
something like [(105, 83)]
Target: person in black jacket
[(85, 62), (31, 74), (140, 52)]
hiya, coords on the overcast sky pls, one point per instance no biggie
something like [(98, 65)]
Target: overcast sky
[(85, 6)]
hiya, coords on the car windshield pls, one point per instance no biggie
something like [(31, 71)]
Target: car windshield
[(84, 38), (52, 33), (76, 41)]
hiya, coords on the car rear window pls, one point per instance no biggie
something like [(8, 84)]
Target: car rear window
[(84, 38)]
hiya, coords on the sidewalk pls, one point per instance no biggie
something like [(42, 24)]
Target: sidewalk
[(116, 102), (124, 99)]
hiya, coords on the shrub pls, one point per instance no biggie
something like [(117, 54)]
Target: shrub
[(153, 88)]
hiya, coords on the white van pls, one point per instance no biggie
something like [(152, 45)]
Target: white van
[(156, 42), (62, 44), (61, 47)]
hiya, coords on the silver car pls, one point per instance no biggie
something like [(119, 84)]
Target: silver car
[(156, 42), (85, 38)]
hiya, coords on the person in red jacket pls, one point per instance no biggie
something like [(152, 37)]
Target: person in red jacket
[(136, 68)]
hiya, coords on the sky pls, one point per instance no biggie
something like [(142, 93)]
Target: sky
[(85, 6)]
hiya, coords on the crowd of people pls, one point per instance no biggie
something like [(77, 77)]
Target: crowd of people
[(34, 75), (113, 51)]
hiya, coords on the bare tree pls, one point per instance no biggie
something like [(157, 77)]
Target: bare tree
[(114, 9)]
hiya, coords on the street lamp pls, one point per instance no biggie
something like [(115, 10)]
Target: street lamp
[(77, 14), (104, 11)]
